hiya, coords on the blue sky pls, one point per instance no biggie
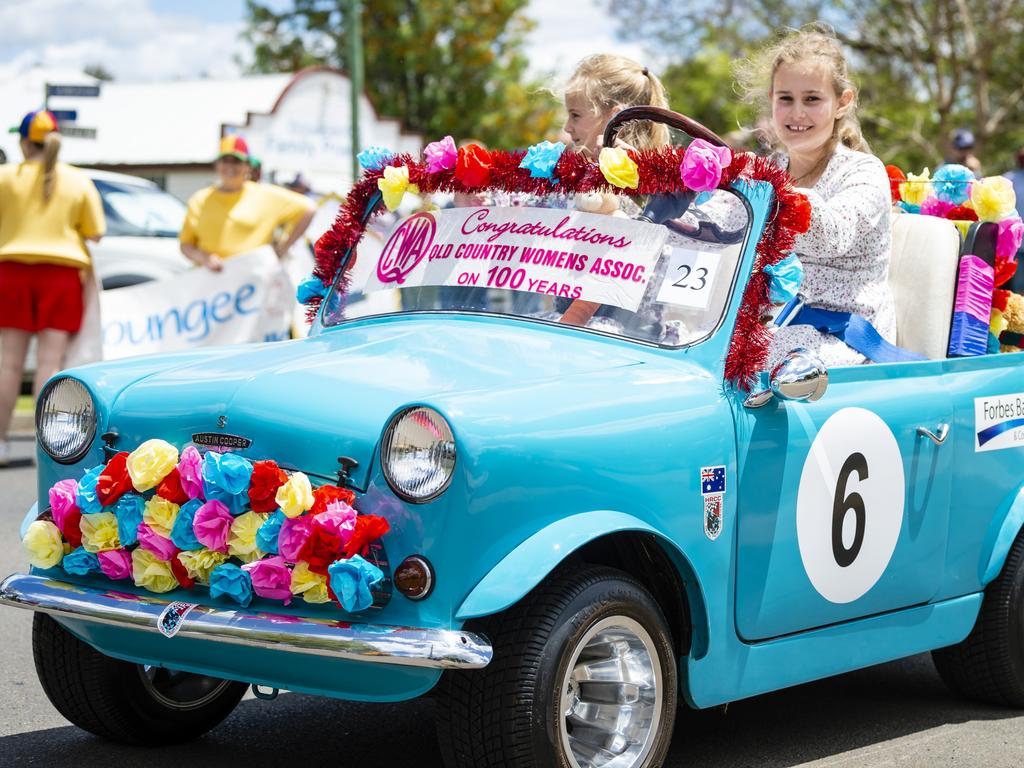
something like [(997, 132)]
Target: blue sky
[(182, 39)]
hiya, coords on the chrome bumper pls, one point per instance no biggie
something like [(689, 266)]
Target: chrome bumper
[(377, 643)]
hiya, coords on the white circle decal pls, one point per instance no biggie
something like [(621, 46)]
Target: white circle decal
[(849, 508)]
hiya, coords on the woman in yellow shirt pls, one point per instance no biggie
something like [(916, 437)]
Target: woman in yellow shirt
[(47, 212), (236, 215)]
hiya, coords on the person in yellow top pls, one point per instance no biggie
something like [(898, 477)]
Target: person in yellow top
[(47, 212), (237, 215)]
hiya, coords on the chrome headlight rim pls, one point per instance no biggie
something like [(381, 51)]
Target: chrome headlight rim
[(90, 435), (385, 448)]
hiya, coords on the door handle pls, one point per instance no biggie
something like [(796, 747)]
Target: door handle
[(938, 439)]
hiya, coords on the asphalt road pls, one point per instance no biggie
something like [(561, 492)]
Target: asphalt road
[(897, 714)]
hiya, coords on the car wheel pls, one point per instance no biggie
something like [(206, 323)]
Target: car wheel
[(126, 702), (989, 665), (584, 674)]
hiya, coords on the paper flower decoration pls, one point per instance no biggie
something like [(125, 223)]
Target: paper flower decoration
[(309, 585), (473, 166), (295, 496), (326, 540), (952, 183), (351, 581), (242, 537), (152, 573), (394, 184), (702, 166), (199, 563), (114, 481), (786, 277), (961, 213), (171, 489), (99, 532), (540, 159), (327, 494), (159, 514), (128, 511), (1011, 231), (181, 574), (271, 578), (369, 528), (80, 561), (896, 176), (618, 168), (933, 206), (266, 478), (374, 158), (150, 462), (182, 533), (190, 469), (292, 538), (43, 543), (1005, 269), (86, 498), (226, 479), (66, 515), (915, 189), (228, 580), (311, 287), (115, 563), (212, 524), (161, 546), (267, 535), (441, 155), (992, 198)]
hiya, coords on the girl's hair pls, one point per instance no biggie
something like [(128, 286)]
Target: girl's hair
[(813, 44), (51, 148), (607, 81)]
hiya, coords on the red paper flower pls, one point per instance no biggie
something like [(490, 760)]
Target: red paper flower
[(326, 494), (895, 177), (181, 574), (114, 481), (962, 213), (368, 528), (322, 548), (1005, 269), (170, 488), (473, 167), (999, 299), (799, 215), (72, 527), (267, 477)]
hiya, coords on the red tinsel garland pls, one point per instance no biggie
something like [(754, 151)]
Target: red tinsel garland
[(659, 173)]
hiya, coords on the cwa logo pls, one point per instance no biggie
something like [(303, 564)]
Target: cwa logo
[(406, 248)]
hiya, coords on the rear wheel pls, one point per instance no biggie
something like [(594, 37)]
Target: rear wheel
[(989, 665), (126, 702), (584, 674)]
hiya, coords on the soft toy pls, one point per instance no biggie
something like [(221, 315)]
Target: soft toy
[(1012, 339), (604, 203)]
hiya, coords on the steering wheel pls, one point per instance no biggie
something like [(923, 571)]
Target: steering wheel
[(659, 115)]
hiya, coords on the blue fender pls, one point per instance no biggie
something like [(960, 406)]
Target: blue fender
[(527, 565), (1001, 537)]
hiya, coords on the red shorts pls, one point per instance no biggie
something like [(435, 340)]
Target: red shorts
[(34, 297)]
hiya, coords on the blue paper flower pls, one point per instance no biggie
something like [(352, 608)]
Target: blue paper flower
[(311, 287), (909, 207), (181, 533), (952, 183), (786, 277), (541, 159), (128, 510), (80, 562), (374, 158), (229, 580), (266, 536), (85, 495), (351, 581), (226, 479)]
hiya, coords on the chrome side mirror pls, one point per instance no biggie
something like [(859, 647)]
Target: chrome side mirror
[(801, 377)]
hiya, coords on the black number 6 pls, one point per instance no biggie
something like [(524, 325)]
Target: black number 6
[(841, 505)]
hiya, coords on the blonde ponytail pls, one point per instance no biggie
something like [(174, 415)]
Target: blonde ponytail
[(51, 148)]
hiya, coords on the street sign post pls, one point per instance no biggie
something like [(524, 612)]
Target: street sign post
[(78, 91), (78, 132), (64, 115)]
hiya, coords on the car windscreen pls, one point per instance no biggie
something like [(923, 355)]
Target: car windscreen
[(558, 259), (141, 211)]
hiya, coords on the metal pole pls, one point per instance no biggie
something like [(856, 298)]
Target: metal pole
[(355, 75)]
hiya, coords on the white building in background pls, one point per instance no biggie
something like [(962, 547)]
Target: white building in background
[(169, 131)]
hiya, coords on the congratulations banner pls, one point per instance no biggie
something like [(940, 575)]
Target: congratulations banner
[(251, 299)]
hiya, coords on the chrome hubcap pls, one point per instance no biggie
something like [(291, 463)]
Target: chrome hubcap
[(180, 690), (611, 696)]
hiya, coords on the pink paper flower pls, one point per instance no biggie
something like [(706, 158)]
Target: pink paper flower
[(441, 155), (62, 501), (212, 524), (294, 532), (271, 578), (190, 467), (1011, 232), (116, 563), (933, 206), (339, 519), (703, 164), (159, 545)]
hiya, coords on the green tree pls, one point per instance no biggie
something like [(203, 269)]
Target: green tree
[(444, 67)]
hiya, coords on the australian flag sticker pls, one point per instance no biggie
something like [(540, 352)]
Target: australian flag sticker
[(712, 480), (173, 617)]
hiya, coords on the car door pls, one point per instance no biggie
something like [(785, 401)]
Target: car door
[(843, 503)]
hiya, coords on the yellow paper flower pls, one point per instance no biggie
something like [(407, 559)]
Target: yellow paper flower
[(998, 323), (99, 532), (618, 168), (993, 198), (916, 188), (151, 573), (295, 496), (150, 463), (394, 184), (43, 543), (964, 227), (159, 514), (200, 562), (242, 538), (310, 586)]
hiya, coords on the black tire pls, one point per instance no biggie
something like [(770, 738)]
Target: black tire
[(509, 714), (989, 665), (111, 698)]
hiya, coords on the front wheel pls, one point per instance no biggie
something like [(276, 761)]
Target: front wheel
[(121, 701), (584, 674)]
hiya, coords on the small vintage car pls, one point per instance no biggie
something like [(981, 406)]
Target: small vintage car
[(596, 509)]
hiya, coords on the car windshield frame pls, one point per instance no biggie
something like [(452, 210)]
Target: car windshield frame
[(120, 225)]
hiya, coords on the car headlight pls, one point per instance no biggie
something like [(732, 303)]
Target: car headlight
[(418, 454), (65, 420)]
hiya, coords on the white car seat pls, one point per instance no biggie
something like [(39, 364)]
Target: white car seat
[(922, 276)]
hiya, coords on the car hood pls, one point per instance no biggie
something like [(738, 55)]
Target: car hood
[(308, 402)]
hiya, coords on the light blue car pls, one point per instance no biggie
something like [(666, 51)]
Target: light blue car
[(589, 527)]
